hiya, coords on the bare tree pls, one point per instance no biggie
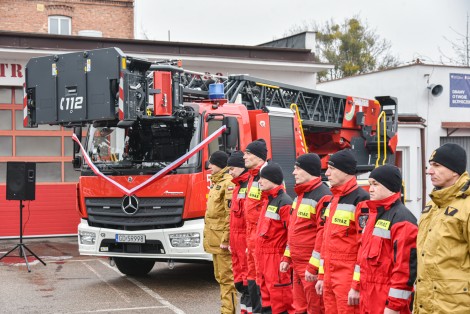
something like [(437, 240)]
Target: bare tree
[(460, 46), (352, 47)]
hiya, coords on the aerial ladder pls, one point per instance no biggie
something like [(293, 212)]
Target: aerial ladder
[(330, 122)]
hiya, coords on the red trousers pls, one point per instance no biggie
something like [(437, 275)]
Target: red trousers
[(250, 254), (374, 295), (251, 263), (306, 299), (276, 287), (239, 263), (336, 285)]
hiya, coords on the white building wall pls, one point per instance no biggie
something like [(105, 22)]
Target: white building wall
[(409, 85)]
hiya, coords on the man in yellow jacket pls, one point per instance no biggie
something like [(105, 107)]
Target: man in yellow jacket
[(443, 280), (216, 229)]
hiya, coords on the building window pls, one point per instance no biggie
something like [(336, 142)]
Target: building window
[(6, 146), (60, 25), (51, 147), (5, 120), (5, 95), (48, 172), (19, 95)]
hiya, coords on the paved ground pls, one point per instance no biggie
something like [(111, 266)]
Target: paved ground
[(81, 284)]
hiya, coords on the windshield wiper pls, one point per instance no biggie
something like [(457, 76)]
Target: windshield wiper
[(105, 168)]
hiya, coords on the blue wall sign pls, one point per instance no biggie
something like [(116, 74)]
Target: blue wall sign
[(459, 90)]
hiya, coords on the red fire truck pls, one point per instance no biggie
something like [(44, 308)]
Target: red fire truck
[(151, 128)]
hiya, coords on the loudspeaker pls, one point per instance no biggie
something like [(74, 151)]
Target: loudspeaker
[(436, 89), (21, 181)]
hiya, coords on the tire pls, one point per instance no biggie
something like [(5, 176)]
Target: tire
[(134, 266)]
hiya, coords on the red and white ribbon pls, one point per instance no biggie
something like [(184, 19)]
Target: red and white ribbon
[(159, 174)]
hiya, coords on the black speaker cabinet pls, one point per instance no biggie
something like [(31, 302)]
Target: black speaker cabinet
[(21, 181)]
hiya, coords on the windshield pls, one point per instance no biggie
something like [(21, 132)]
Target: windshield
[(148, 144)]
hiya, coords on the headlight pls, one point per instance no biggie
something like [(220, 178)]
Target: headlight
[(191, 239), (87, 237)]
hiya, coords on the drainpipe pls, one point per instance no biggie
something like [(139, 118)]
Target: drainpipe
[(423, 167)]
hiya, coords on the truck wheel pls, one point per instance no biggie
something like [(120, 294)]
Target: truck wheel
[(134, 266)]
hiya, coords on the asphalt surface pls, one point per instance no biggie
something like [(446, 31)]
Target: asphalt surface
[(71, 283)]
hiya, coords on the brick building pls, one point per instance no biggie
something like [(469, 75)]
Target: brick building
[(106, 18)]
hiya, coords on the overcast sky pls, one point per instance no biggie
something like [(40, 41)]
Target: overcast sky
[(415, 28)]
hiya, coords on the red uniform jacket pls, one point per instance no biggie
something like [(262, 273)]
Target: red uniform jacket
[(238, 229), (273, 222), (338, 237), (387, 256), (253, 197), (237, 211), (304, 217)]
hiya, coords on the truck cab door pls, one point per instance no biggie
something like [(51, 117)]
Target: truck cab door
[(228, 141)]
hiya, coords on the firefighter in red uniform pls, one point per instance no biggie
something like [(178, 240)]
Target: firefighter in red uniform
[(387, 256), (338, 239), (236, 167), (303, 230), (255, 157), (276, 286)]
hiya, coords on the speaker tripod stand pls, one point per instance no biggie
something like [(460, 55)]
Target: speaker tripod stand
[(22, 248)]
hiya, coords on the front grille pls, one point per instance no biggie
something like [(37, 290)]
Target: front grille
[(149, 247), (153, 213)]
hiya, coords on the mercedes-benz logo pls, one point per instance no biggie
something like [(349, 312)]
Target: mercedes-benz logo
[(130, 204)]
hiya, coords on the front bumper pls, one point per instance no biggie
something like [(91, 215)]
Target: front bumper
[(158, 238)]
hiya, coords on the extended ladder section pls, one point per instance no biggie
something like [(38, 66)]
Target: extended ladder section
[(316, 108)]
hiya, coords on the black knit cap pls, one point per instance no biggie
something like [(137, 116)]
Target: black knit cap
[(389, 176), (273, 173), (344, 160), (451, 156), (236, 160), (219, 159), (310, 163), (258, 148)]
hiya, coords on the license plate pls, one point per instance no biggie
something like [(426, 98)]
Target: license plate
[(130, 238)]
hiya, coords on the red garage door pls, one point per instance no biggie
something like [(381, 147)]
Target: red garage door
[(54, 212)]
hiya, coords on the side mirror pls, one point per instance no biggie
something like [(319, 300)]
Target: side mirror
[(231, 134), (78, 132), (77, 162)]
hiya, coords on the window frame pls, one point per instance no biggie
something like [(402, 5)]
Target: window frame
[(59, 19)]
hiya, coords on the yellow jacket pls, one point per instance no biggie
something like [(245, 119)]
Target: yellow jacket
[(443, 281), (217, 219)]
